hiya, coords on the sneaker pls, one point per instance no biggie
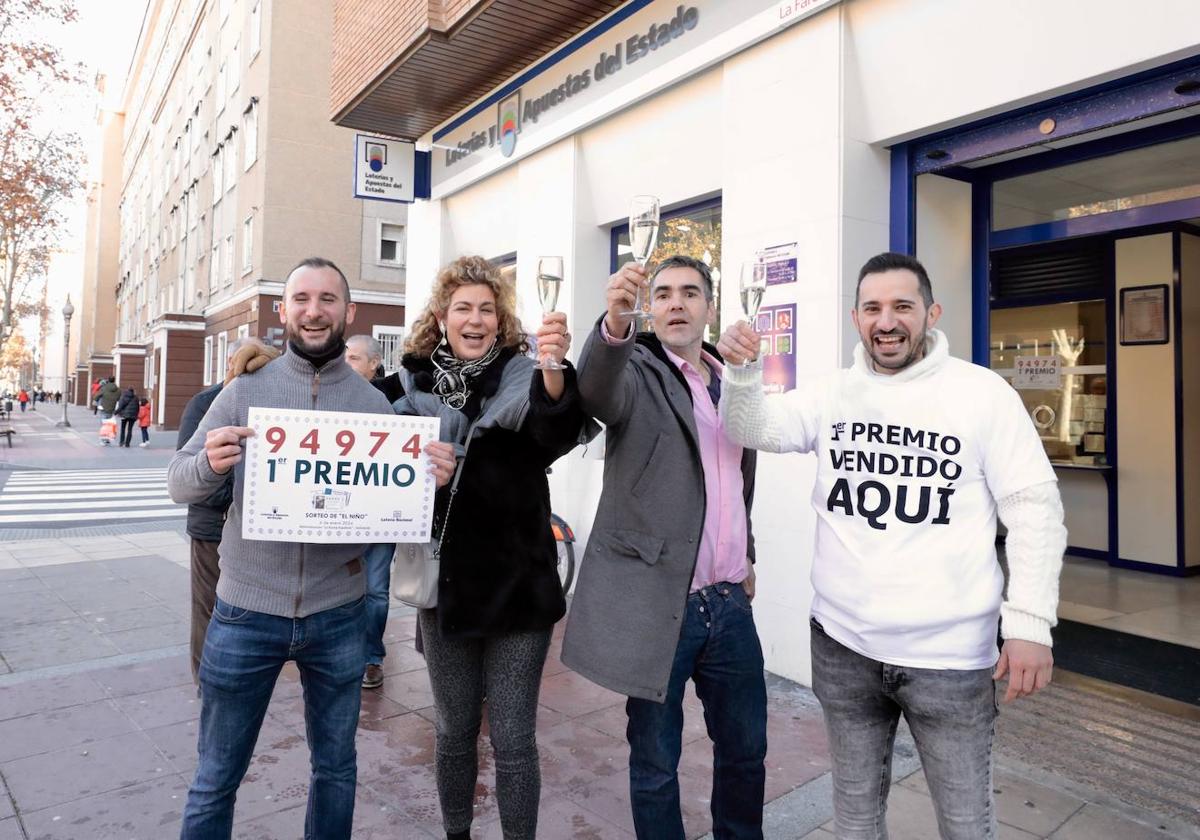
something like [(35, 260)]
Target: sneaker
[(143, 445), (373, 676)]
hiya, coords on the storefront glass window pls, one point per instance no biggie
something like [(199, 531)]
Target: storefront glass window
[(1137, 178), (694, 232), (1054, 355)]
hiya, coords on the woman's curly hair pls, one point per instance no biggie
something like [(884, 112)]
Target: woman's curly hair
[(467, 271)]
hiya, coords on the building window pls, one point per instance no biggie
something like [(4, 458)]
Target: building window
[(391, 342), (243, 331), (221, 88), (227, 260), (208, 360), (214, 268), (693, 231), (230, 161), (235, 68), (222, 353), (248, 244), (218, 175), (250, 135), (391, 245), (255, 29)]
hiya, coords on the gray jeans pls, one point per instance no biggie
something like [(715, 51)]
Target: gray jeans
[(952, 716)]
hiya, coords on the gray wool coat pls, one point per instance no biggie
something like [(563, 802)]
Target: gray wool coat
[(627, 612)]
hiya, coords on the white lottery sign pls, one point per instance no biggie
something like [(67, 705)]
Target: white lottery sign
[(336, 476), (1034, 372)]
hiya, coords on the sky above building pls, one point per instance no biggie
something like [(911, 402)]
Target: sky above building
[(102, 40)]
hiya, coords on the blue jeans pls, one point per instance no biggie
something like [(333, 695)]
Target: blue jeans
[(243, 654), (378, 563), (719, 650), (952, 715)]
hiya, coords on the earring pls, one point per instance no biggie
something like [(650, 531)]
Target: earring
[(442, 327)]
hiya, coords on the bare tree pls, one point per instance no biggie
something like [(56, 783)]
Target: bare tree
[(39, 166)]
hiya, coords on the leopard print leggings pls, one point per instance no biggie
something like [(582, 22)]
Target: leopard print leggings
[(509, 669)]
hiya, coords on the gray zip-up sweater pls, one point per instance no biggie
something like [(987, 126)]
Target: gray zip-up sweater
[(292, 580)]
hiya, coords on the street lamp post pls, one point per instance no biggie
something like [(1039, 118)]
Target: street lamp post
[(68, 311)]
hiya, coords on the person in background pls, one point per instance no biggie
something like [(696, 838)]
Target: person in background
[(206, 518), (127, 410), (143, 419), (499, 594), (364, 355), (23, 399)]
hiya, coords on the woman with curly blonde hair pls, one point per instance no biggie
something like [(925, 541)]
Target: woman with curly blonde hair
[(499, 594)]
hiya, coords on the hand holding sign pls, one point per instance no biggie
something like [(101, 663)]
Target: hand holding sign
[(223, 446), (441, 461)]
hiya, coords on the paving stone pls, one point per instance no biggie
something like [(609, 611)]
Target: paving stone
[(53, 643), (573, 755), (575, 695), (1093, 821), (151, 638), (564, 820), (153, 709), (410, 689), (149, 810), (402, 744), (114, 621), (177, 742), (145, 676), (6, 809), (10, 830), (47, 694), (47, 731), (41, 781)]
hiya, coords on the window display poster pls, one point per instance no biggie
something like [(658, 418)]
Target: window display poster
[(337, 476), (777, 327), (781, 263), (1037, 372)]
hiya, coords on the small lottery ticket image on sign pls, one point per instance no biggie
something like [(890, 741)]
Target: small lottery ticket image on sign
[(332, 476)]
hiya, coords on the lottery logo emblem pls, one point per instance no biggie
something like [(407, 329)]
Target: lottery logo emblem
[(508, 119), (376, 156)]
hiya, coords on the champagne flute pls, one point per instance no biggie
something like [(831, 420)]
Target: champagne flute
[(643, 233), (549, 281), (752, 287)]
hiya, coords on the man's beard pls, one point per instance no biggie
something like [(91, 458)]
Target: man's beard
[(336, 331), (916, 351)]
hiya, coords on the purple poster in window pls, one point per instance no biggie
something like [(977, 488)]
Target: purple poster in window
[(777, 326), (781, 263)]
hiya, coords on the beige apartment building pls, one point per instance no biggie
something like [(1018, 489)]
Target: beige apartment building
[(230, 172)]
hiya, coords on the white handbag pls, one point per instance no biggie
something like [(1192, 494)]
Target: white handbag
[(416, 567)]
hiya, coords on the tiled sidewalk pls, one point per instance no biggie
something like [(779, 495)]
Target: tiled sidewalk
[(98, 730)]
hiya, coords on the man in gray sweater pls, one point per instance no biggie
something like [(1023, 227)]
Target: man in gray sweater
[(280, 601)]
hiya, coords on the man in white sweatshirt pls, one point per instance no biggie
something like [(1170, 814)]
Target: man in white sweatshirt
[(917, 454)]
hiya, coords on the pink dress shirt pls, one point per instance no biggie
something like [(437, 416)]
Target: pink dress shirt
[(722, 554)]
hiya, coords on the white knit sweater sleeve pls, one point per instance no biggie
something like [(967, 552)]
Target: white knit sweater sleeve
[(1034, 548), (749, 418)]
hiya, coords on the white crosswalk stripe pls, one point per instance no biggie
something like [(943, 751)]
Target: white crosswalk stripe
[(46, 497)]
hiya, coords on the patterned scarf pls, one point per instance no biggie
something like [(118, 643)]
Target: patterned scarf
[(453, 377)]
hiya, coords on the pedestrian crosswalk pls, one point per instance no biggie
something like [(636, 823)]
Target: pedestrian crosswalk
[(30, 498)]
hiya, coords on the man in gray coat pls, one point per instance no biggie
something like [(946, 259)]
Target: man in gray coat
[(281, 601), (666, 582)]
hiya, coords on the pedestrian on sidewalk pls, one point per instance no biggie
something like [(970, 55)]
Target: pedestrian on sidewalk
[(127, 410), (272, 594), (666, 583), (94, 399), (143, 418), (108, 397), (364, 354), (23, 399), (917, 453), (206, 518)]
